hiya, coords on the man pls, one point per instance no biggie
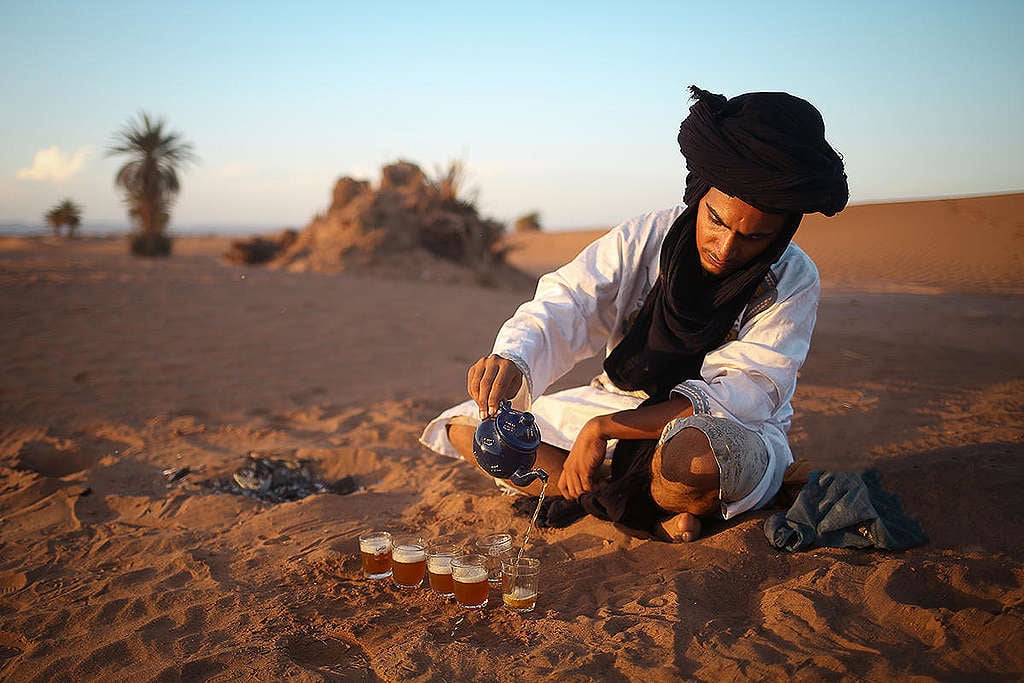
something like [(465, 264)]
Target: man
[(705, 314)]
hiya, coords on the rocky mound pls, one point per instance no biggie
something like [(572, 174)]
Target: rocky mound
[(259, 249), (411, 227)]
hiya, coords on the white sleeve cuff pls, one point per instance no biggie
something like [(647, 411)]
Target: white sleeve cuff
[(523, 368), (698, 399)]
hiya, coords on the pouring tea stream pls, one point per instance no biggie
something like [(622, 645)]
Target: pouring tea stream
[(505, 446)]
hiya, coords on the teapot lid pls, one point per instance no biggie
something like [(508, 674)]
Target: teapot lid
[(517, 429)]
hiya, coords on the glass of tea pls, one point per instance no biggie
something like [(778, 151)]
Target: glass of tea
[(375, 549), (519, 581), (439, 567), (408, 561), (469, 581)]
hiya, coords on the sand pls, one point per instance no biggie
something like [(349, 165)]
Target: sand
[(117, 369)]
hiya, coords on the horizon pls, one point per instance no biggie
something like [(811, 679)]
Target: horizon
[(108, 228), (558, 110)]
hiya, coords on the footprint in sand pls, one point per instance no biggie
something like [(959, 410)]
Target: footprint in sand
[(12, 581), (58, 455)]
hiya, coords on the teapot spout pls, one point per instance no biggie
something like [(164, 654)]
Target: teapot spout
[(525, 478)]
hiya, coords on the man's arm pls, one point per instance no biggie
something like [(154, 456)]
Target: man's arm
[(588, 451), (579, 309)]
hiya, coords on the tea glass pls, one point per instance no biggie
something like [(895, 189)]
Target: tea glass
[(439, 567), (408, 561), (496, 548), (375, 551), (469, 579), (519, 582)]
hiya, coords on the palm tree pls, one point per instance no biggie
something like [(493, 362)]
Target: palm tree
[(150, 179), (64, 212)]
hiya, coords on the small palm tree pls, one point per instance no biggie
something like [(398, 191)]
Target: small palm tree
[(64, 212), (149, 179)]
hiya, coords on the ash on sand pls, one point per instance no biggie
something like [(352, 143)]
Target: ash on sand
[(278, 480)]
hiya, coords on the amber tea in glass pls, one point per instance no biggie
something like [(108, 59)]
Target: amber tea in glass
[(469, 580), (375, 550)]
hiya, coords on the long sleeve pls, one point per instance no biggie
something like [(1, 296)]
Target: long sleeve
[(751, 379), (579, 309)]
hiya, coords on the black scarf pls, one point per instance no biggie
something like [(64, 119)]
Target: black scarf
[(687, 313)]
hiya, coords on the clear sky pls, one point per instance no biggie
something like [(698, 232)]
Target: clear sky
[(566, 108)]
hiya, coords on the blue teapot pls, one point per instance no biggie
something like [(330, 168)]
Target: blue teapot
[(505, 446)]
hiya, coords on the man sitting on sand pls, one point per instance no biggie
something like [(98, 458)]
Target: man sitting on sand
[(705, 313)]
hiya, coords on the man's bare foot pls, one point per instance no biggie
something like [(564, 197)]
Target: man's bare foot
[(682, 528)]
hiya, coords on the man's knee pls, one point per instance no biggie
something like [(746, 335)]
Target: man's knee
[(461, 437), (687, 459), (684, 474)]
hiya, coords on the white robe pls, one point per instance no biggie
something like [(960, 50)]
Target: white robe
[(585, 307)]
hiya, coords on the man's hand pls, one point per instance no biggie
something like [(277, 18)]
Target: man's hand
[(588, 451), (587, 454), (492, 380)]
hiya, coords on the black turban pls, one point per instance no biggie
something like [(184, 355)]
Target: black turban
[(767, 148)]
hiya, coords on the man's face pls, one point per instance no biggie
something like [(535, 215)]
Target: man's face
[(732, 233)]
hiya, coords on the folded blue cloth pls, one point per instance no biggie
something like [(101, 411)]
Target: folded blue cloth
[(844, 510)]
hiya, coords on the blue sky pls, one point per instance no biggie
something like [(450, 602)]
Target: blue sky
[(566, 108)]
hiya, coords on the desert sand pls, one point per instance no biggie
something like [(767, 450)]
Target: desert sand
[(117, 369)]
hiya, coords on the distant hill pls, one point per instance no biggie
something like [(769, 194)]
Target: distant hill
[(971, 244)]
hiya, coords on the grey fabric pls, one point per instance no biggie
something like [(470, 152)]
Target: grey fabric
[(844, 510), (741, 454)]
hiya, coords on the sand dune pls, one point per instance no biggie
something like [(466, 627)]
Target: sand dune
[(117, 369), (973, 244)]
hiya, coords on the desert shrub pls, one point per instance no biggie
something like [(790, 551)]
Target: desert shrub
[(260, 249), (528, 223), (454, 229), (450, 185)]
